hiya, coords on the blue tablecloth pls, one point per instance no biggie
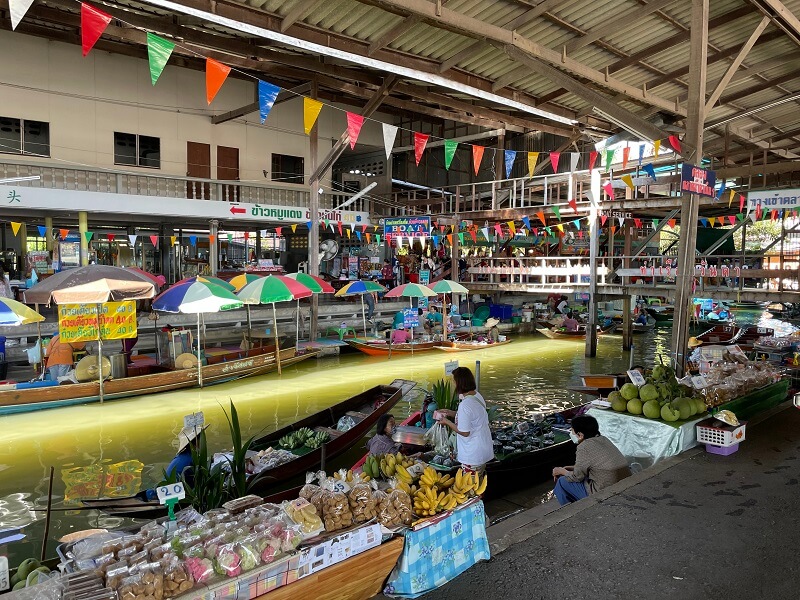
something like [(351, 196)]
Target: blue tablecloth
[(439, 553)]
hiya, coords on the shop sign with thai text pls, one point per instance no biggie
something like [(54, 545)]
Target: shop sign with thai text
[(774, 199), (79, 322), (407, 227), (695, 180)]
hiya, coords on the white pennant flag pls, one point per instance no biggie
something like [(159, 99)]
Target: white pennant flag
[(132, 239), (352, 226), (573, 161), (621, 221), (591, 197), (18, 8), (389, 135), (399, 239)]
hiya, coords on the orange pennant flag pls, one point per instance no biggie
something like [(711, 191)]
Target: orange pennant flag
[(450, 238), (64, 233), (477, 156), (672, 223), (211, 239), (512, 228), (532, 158), (541, 216), (311, 110), (216, 74), (626, 152), (369, 237), (613, 229), (15, 227)]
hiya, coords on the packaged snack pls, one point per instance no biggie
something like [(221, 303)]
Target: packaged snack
[(302, 513), (335, 511), (248, 553), (362, 503), (177, 579), (227, 561)]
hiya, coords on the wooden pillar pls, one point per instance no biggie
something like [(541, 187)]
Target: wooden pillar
[(594, 248), (627, 324), (313, 207)]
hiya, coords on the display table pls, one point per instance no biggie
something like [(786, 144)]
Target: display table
[(439, 553), (643, 438)]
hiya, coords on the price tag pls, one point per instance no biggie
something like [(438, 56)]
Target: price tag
[(699, 382), (449, 367), (637, 378), (4, 580), (170, 493), (194, 421)]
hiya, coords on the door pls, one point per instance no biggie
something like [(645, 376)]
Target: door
[(198, 164), (228, 169)]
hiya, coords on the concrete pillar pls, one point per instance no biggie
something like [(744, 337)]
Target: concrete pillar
[(313, 207), (165, 249), (83, 227), (213, 246), (594, 249), (627, 324), (48, 236)]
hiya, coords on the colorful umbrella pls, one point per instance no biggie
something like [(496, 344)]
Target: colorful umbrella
[(195, 297), (242, 280), (208, 279), (269, 290), (359, 288), (448, 286), (14, 313), (317, 285), (158, 280), (411, 290)]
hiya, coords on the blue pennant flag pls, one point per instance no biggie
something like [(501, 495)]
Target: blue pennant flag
[(193, 240), (704, 221), (577, 223), (309, 224), (42, 231), (358, 235), (435, 240), (527, 223), (267, 93), (510, 156), (641, 154), (650, 170), (721, 191)]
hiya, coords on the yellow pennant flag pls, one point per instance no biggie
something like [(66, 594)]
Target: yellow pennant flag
[(294, 228), (656, 147), (311, 110), (348, 233), (730, 198), (173, 239), (452, 228), (560, 227), (15, 227), (712, 220), (532, 158), (628, 180), (512, 228)]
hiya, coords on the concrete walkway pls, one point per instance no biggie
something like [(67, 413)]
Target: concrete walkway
[(695, 526)]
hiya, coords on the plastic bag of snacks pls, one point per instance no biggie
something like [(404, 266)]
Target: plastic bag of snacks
[(302, 513), (248, 552), (335, 507), (200, 569), (177, 579), (227, 561), (362, 503), (401, 502)]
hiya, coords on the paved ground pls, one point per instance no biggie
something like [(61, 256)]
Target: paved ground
[(696, 526)]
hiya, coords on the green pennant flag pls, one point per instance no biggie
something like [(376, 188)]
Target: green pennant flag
[(460, 238), (88, 235), (609, 159), (655, 223), (158, 53), (557, 211), (449, 152), (230, 237), (377, 239), (740, 216)]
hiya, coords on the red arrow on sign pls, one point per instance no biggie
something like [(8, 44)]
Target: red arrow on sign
[(235, 210)]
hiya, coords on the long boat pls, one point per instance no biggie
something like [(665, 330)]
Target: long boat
[(662, 316), (381, 348), (727, 335), (27, 397), (467, 346), (574, 335)]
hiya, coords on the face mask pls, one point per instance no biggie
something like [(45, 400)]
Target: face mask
[(393, 431), (574, 437)]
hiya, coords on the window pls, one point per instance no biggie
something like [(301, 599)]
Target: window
[(137, 150), (18, 136), (289, 169)]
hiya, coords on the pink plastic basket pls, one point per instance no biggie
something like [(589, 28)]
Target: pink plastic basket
[(722, 450)]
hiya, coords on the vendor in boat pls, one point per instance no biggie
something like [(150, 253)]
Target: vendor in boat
[(400, 335), (493, 333), (570, 323), (598, 463), (474, 438), (641, 319), (381, 442), (433, 320), (59, 356), (182, 466)]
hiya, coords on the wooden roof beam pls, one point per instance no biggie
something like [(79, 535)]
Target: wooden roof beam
[(393, 33), (298, 12)]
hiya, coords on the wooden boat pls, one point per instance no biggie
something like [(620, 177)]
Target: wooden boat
[(609, 381), (715, 322), (662, 316), (467, 346), (575, 335), (381, 348), (28, 397), (750, 334), (719, 334), (644, 327)]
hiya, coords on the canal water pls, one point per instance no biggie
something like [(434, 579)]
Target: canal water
[(120, 447)]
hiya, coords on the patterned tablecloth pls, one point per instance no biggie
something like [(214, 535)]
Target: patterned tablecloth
[(440, 552)]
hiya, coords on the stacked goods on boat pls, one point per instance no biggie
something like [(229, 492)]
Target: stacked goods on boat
[(727, 381), (661, 397), (780, 350), (526, 436)]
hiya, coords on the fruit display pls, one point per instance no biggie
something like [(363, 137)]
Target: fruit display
[(303, 513), (661, 397), (727, 381), (29, 573), (303, 437), (438, 493), (317, 439), (524, 436), (386, 466)]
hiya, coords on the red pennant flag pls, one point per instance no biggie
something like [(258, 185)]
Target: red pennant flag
[(675, 143), (773, 215), (474, 236), (339, 223), (154, 240), (420, 141), (580, 233), (64, 233), (278, 231), (603, 219), (759, 212), (592, 159), (110, 237), (554, 156), (626, 151), (741, 202), (638, 223), (609, 189), (573, 205), (93, 24), (672, 223), (731, 219), (363, 229), (540, 214), (354, 124), (246, 235), (216, 74), (477, 157)]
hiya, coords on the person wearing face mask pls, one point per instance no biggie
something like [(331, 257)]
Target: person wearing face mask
[(598, 463), (381, 442)]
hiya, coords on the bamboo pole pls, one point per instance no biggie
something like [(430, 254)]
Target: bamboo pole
[(275, 334)]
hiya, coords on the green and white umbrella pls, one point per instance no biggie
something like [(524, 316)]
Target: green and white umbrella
[(359, 288), (317, 285), (448, 286)]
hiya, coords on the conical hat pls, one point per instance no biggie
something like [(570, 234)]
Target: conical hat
[(86, 369), (187, 360)]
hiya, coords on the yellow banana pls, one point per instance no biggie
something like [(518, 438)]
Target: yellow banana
[(482, 486)]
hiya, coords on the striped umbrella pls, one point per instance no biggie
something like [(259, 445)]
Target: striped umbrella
[(359, 288), (317, 285), (208, 279), (13, 313), (242, 280), (195, 297), (448, 286), (269, 290)]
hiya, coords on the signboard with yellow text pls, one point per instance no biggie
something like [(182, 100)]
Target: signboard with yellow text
[(79, 322)]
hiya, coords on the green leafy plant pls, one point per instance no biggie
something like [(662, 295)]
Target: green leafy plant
[(238, 461), (206, 487), (444, 395)]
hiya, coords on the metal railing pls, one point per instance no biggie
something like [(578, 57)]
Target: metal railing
[(539, 271)]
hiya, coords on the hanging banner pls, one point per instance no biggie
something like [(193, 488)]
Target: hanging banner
[(354, 124), (406, 227), (773, 199), (573, 161), (216, 74), (18, 8), (592, 159), (449, 152), (311, 110), (389, 135), (158, 52), (477, 157), (554, 156), (267, 94), (420, 141), (532, 158), (695, 180), (93, 24), (509, 156), (79, 322)]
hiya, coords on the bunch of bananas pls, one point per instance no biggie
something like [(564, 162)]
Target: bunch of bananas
[(432, 478), (467, 485), (409, 489), (427, 502), (430, 498), (349, 476), (389, 465)]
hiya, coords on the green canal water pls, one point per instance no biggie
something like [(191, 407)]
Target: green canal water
[(120, 447)]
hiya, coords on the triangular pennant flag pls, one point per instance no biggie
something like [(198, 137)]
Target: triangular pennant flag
[(110, 237), (15, 227), (461, 238), (656, 148), (348, 233), (246, 235), (637, 222), (399, 241), (773, 215), (88, 235), (721, 191), (477, 156), (712, 221), (527, 222), (309, 224), (704, 221), (532, 158), (621, 221), (230, 238), (339, 225), (278, 231), (731, 219), (580, 233), (613, 229), (354, 124), (672, 223), (211, 239), (154, 240), (63, 233), (576, 223), (174, 238), (512, 227), (560, 227), (542, 218), (554, 156), (603, 219), (574, 157), (18, 8), (675, 142), (193, 240), (369, 237), (609, 189), (267, 94), (641, 154), (650, 170), (420, 141), (573, 205), (628, 180), (609, 159), (626, 151), (557, 212), (473, 235), (730, 197), (93, 24), (352, 226), (358, 235), (509, 156), (389, 135), (311, 110), (758, 212), (216, 74), (449, 152), (158, 52), (42, 231), (132, 239), (450, 238), (592, 159), (294, 227), (485, 232), (741, 202)]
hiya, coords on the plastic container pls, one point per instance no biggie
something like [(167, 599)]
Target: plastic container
[(501, 311), (517, 319), (476, 322), (482, 313), (723, 436), (722, 450), (3, 345)]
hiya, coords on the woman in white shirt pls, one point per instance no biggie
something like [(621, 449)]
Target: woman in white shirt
[(474, 439)]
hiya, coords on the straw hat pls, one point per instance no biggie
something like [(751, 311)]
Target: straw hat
[(491, 322), (188, 434), (187, 360), (694, 342), (86, 369)]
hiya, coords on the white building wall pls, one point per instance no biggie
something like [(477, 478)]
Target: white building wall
[(86, 100)]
